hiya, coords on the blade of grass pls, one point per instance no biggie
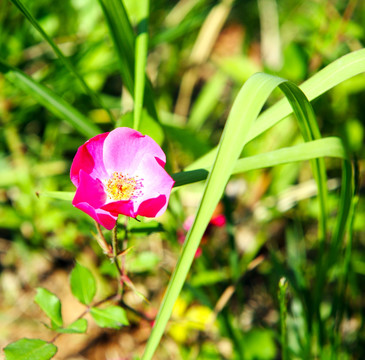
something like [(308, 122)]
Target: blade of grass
[(206, 101), (338, 71), (53, 102), (123, 37), (59, 195), (23, 9), (327, 147), (310, 131), (140, 62), (245, 110), (282, 295)]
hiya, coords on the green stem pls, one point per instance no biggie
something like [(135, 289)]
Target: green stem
[(141, 51), (283, 286)]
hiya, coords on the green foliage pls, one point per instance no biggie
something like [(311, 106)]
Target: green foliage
[(111, 317), (83, 285), (51, 305), (67, 69), (30, 349), (77, 327)]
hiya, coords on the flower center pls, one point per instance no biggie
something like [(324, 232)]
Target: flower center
[(122, 187)]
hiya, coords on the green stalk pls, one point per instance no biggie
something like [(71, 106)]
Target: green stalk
[(140, 62), (283, 286)]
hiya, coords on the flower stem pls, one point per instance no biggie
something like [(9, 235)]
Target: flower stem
[(115, 258)]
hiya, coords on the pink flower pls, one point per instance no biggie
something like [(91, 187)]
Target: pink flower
[(120, 172)]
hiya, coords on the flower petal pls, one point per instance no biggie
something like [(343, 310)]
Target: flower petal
[(124, 207), (154, 177), (154, 207), (89, 197), (124, 147), (157, 185), (89, 158)]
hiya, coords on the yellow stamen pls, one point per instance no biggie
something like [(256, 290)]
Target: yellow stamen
[(122, 187)]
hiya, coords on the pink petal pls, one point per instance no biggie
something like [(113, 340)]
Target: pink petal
[(154, 207), (90, 191), (101, 216), (89, 197), (89, 158), (154, 177), (124, 207), (124, 147)]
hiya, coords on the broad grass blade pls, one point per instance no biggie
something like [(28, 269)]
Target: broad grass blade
[(326, 147), (245, 110), (340, 70), (53, 102)]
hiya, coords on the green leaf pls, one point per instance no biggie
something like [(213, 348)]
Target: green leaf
[(77, 327), (123, 37), (140, 61), (53, 102), (59, 195), (30, 349), (51, 305), (83, 285), (328, 147), (112, 317), (23, 9), (340, 70), (206, 101)]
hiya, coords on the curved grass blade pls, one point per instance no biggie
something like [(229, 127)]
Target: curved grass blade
[(310, 131), (23, 9), (338, 71), (327, 147), (245, 110), (53, 102)]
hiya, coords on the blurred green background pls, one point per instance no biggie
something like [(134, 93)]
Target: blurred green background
[(200, 54)]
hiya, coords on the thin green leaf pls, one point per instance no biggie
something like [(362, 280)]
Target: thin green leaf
[(327, 147), (59, 195), (30, 349), (83, 285), (206, 101), (310, 131), (23, 9), (77, 327), (123, 37), (140, 61), (340, 70), (53, 102), (111, 317), (51, 305)]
